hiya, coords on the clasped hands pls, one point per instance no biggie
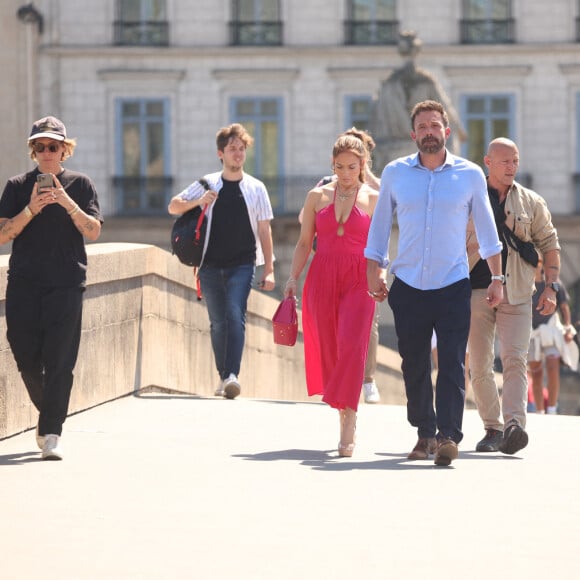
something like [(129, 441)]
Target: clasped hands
[(378, 291)]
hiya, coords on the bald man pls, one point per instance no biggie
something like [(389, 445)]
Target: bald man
[(524, 224)]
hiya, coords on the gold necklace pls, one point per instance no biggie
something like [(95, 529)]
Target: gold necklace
[(345, 196)]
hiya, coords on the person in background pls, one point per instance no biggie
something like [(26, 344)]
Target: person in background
[(47, 274), (238, 238), (524, 224), (370, 390), (433, 194), (548, 344), (337, 311)]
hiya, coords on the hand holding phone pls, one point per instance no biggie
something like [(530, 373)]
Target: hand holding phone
[(44, 181), (42, 197)]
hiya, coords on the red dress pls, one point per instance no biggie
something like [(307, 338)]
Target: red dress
[(337, 311)]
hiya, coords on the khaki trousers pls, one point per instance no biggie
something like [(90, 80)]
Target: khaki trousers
[(513, 323)]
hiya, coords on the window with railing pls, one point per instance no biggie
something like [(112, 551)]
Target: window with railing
[(141, 23), (263, 118), (486, 117), (142, 183), (487, 22), (371, 22), (256, 23)]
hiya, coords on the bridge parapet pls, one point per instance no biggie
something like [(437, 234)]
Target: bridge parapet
[(144, 328)]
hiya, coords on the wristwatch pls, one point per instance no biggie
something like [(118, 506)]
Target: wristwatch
[(500, 277), (554, 286)]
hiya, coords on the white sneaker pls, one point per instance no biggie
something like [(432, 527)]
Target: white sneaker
[(551, 410), (232, 387), (52, 449), (220, 392), (371, 392), (39, 438)]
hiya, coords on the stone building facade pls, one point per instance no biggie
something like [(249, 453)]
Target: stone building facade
[(145, 84)]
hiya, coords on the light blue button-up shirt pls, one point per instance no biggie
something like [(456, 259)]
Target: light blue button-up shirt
[(432, 208)]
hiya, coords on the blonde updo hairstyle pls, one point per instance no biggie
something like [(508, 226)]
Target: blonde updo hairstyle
[(367, 140)]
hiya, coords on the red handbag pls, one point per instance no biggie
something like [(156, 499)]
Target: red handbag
[(285, 322)]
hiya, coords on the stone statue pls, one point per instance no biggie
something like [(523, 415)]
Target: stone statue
[(399, 93)]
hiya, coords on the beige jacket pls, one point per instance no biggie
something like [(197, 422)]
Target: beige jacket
[(529, 213)]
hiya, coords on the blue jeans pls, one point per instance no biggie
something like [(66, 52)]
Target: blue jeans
[(226, 292)]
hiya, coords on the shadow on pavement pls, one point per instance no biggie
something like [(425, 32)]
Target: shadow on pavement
[(329, 461), (20, 458)]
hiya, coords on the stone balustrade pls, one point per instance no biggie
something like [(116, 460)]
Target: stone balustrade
[(144, 328)]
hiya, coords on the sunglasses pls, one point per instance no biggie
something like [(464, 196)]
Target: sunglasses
[(40, 147)]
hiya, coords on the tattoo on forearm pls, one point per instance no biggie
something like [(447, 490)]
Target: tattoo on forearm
[(7, 228), (86, 226), (89, 226)]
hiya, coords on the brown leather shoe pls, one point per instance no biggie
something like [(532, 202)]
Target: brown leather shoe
[(447, 451), (425, 446)]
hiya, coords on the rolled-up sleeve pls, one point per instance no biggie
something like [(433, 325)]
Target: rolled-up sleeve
[(192, 191), (544, 234)]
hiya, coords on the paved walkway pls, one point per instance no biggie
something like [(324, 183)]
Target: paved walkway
[(170, 487)]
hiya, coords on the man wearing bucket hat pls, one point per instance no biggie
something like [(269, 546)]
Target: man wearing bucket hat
[(47, 223)]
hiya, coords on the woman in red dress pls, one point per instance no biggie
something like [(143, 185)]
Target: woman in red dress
[(337, 310)]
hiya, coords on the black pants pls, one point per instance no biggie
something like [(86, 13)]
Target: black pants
[(417, 313), (44, 330)]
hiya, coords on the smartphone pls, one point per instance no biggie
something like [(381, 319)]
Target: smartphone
[(44, 180)]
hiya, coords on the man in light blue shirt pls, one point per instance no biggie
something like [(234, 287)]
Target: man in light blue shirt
[(433, 194)]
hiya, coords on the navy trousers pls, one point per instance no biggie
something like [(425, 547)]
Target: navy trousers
[(417, 313)]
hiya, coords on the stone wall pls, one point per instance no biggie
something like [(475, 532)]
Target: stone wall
[(143, 327)]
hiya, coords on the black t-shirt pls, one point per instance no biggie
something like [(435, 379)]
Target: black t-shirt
[(50, 251), (480, 275), (231, 241)]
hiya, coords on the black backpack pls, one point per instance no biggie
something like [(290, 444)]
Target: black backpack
[(188, 233)]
